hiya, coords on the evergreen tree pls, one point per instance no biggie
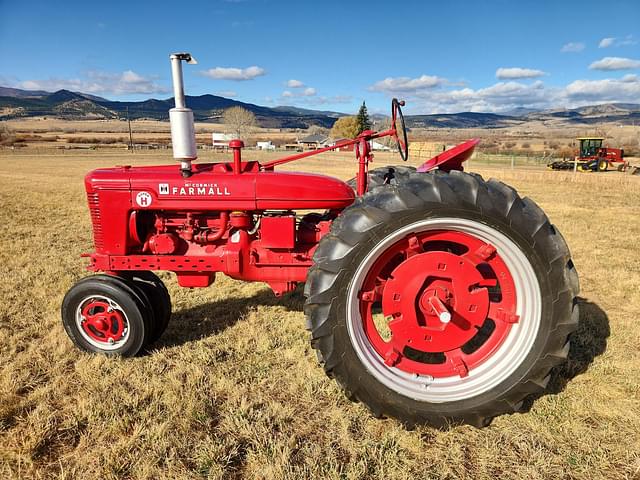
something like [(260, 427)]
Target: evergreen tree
[(364, 123)]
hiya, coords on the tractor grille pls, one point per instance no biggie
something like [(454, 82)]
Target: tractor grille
[(94, 207)]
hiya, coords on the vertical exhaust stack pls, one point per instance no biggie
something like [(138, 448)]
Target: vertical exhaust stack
[(183, 135)]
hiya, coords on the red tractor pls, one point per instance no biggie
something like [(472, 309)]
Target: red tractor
[(434, 297), (592, 157)]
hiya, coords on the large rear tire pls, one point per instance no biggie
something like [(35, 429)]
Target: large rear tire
[(443, 300), (603, 165), (389, 175)]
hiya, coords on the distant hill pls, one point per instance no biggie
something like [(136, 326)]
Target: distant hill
[(16, 92), (17, 103), (623, 113), (460, 120), (306, 111)]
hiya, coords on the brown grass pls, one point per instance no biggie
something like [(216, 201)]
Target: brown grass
[(233, 388)]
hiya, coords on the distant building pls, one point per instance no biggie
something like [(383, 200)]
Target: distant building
[(296, 147), (349, 148), (220, 141), (265, 145), (379, 146), (346, 148), (313, 142)]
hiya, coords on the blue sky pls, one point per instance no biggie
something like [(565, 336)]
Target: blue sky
[(441, 56)]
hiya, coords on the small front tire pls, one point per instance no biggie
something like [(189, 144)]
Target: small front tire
[(101, 315), (158, 298)]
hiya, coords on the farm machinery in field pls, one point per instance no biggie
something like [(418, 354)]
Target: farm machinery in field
[(592, 157), (432, 296)]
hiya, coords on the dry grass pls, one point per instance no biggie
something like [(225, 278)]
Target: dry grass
[(233, 388)]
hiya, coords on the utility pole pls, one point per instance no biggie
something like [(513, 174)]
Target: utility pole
[(130, 134)]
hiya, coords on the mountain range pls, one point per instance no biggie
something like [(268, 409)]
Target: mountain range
[(17, 103)]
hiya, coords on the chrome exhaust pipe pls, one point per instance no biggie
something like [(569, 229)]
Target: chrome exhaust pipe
[(183, 135)]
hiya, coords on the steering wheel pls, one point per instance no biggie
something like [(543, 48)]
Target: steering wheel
[(397, 122)]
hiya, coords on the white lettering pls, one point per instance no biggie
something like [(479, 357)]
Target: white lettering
[(210, 189)]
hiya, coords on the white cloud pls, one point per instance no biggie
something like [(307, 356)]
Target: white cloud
[(290, 98), (617, 42), (606, 42), (98, 82), (395, 85), (572, 47), (307, 92), (615, 63), (294, 83), (628, 40), (513, 73), (227, 93), (500, 97), (235, 74), (331, 100), (505, 96), (625, 89), (241, 23), (297, 84)]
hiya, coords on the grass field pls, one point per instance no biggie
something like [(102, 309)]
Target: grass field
[(233, 389)]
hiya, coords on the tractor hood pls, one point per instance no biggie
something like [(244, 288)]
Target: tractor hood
[(216, 187)]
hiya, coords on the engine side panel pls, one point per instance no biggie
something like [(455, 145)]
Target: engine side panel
[(244, 225)]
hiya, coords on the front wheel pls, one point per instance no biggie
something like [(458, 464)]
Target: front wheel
[(104, 314), (443, 300), (603, 165), (158, 299)]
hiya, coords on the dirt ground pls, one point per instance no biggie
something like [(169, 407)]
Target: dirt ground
[(233, 389)]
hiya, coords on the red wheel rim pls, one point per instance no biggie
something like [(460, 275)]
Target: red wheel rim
[(448, 300), (101, 322)]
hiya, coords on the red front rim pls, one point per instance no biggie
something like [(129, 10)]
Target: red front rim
[(438, 303), (102, 323)]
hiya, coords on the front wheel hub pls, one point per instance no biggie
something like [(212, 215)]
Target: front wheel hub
[(102, 322)]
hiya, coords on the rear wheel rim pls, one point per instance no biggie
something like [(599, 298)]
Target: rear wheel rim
[(446, 366), (102, 322)]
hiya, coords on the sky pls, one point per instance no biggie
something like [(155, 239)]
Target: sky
[(440, 56)]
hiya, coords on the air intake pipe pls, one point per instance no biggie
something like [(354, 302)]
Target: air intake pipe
[(183, 135)]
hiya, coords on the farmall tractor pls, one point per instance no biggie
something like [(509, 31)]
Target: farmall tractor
[(432, 296)]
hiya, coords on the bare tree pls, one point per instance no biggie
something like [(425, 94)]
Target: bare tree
[(239, 121), (6, 135), (317, 129), (381, 125)]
